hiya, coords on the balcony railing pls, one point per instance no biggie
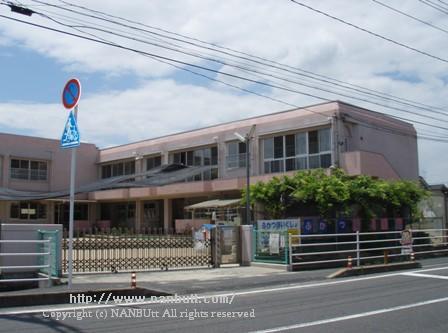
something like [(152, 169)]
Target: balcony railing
[(28, 174)]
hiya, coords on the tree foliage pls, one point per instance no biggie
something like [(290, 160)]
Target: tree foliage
[(337, 193)]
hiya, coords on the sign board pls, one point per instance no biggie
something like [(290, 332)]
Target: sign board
[(28, 211), (406, 242), (199, 240), (70, 136), (307, 227), (274, 240), (71, 93), (278, 229), (278, 225), (342, 226), (323, 226), (294, 240)]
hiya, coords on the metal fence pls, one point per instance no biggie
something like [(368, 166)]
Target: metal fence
[(124, 250), (44, 267), (332, 250)]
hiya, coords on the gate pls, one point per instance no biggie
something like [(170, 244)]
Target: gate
[(227, 245), (122, 250)]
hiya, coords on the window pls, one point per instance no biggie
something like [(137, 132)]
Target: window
[(153, 162), (28, 210), (297, 151), (28, 169), (236, 155), (62, 212), (199, 157), (118, 169)]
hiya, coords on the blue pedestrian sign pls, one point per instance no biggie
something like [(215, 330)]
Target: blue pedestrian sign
[(70, 136)]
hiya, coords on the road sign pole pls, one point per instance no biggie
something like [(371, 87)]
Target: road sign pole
[(72, 211)]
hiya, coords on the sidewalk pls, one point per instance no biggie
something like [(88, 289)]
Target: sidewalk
[(194, 281), (205, 280), (188, 281)]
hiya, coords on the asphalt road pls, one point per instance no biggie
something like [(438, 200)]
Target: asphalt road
[(410, 301)]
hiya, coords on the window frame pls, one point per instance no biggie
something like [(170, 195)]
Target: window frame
[(41, 210), (191, 157), (25, 171), (118, 168), (279, 164), (238, 159)]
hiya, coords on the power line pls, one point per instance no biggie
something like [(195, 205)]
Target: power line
[(264, 73), (370, 32), (270, 75), (249, 70), (308, 74), (435, 6), (410, 16), (188, 64)]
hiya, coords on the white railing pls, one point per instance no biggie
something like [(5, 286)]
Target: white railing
[(46, 253), (364, 247)]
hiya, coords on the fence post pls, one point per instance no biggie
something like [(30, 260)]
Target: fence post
[(358, 255), (254, 243), (290, 267), (49, 263), (287, 248)]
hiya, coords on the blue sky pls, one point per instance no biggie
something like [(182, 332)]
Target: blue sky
[(128, 97)]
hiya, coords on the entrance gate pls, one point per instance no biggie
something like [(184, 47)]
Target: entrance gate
[(227, 247)]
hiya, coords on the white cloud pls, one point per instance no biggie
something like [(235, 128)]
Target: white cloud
[(273, 29), (156, 108)]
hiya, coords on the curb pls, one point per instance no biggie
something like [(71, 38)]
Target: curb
[(363, 270)]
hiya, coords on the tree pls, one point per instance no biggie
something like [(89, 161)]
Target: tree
[(337, 193)]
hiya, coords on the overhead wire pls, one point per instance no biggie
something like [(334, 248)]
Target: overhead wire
[(435, 6), (275, 76), (310, 75), (410, 16), (239, 52), (390, 40), (152, 55)]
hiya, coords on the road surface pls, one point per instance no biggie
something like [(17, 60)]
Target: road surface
[(406, 301)]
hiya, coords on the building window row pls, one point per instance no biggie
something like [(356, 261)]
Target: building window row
[(28, 210), (153, 162), (25, 169), (304, 150), (236, 155), (118, 169), (199, 157)]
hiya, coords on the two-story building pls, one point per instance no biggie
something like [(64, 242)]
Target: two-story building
[(336, 134)]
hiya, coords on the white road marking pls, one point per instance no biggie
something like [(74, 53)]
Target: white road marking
[(433, 276), (67, 307), (354, 316)]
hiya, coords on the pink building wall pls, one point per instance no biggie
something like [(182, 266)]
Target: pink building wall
[(363, 142)]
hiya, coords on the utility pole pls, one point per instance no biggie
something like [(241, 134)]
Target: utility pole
[(246, 140)]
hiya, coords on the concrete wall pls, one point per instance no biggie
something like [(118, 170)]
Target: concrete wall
[(58, 169), (220, 135), (384, 142), (364, 142), (58, 162)]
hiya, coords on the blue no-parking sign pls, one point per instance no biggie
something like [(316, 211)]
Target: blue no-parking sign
[(71, 93)]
